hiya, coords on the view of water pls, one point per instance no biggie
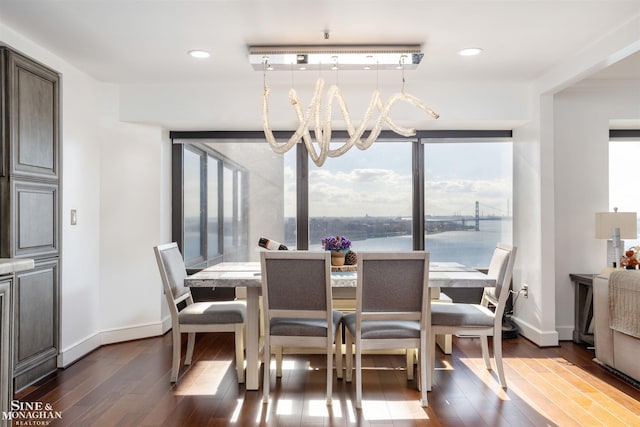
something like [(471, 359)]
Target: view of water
[(472, 248)]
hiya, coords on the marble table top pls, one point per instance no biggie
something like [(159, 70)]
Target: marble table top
[(247, 274)]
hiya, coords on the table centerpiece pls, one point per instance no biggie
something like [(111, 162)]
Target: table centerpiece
[(339, 246)]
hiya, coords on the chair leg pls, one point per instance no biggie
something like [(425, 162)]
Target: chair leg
[(239, 337), (410, 358), (484, 344), (423, 368), (432, 360), (329, 368), (497, 354), (278, 351), (349, 357), (338, 343), (191, 342), (266, 352), (358, 375), (177, 344)]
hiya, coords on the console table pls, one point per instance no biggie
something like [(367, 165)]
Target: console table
[(583, 307)]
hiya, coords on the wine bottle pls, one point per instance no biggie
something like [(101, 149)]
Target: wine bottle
[(271, 244)]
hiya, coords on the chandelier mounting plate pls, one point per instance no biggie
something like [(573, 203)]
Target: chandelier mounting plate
[(341, 57)]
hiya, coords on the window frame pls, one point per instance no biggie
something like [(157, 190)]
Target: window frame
[(302, 170), (239, 208), (620, 135)]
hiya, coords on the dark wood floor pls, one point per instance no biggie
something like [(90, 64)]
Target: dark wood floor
[(127, 384)]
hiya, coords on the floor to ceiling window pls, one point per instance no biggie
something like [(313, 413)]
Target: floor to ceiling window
[(623, 170), (449, 196), (467, 197), (192, 203), (364, 195), (213, 220)]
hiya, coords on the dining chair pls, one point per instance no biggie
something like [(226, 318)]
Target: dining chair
[(214, 316), (297, 308), (392, 311), (479, 319)]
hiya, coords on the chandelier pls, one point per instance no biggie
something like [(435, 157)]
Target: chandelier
[(268, 58)]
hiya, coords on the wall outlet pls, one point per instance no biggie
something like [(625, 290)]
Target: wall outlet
[(525, 290)]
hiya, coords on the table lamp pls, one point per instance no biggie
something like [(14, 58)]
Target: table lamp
[(615, 226)]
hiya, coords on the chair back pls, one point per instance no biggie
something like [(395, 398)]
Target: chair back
[(500, 269), (296, 284), (393, 285), (173, 272)]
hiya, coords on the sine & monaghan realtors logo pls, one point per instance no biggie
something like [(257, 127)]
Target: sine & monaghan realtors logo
[(30, 413)]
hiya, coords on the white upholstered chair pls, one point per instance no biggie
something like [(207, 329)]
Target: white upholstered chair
[(217, 316), (392, 311), (296, 299), (479, 319)]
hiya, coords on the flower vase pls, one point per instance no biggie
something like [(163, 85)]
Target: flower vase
[(337, 257)]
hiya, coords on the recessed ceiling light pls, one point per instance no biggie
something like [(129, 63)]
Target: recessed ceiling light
[(470, 51), (199, 53)]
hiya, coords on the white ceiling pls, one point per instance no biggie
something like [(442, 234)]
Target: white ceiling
[(135, 41)]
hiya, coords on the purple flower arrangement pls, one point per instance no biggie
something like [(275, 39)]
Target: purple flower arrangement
[(335, 243)]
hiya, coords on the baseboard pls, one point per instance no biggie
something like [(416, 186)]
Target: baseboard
[(78, 350), (537, 336), (81, 348), (131, 333), (565, 333)]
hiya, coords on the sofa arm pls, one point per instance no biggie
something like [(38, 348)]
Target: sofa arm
[(603, 335)]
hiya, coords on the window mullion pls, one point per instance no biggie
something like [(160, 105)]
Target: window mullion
[(418, 195), (302, 197)]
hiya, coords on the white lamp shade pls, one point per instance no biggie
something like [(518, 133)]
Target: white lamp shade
[(627, 222)]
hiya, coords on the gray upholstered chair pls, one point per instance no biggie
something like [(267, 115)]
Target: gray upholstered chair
[(223, 316), (392, 311), (296, 298), (479, 319)]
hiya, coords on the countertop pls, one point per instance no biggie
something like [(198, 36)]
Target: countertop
[(13, 265)]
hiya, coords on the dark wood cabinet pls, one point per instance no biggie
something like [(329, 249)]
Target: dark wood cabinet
[(30, 209), (32, 105), (6, 367), (35, 311)]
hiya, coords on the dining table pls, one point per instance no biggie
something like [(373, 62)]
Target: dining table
[(248, 275)]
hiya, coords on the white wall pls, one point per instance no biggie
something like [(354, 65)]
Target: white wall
[(479, 105), (131, 164), (105, 291), (528, 212), (557, 160), (582, 115)]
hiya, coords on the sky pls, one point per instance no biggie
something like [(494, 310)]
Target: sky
[(624, 173), (377, 181)]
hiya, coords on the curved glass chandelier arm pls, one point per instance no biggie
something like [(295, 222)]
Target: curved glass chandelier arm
[(277, 147), (317, 157), (319, 149), (354, 135), (389, 121)]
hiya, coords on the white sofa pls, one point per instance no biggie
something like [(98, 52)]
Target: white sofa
[(616, 313)]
